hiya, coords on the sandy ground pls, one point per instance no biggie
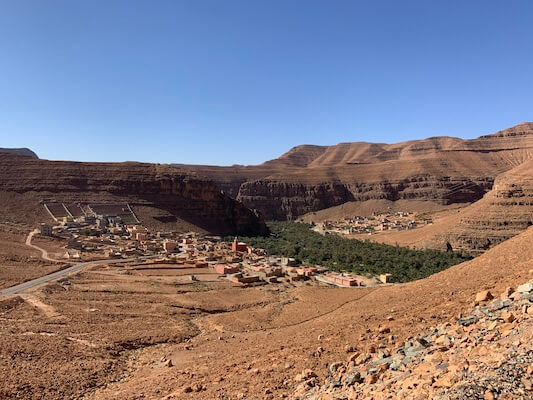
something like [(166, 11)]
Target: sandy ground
[(55, 247), (108, 332), (18, 262)]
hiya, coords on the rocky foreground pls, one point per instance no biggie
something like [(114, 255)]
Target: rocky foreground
[(486, 354)]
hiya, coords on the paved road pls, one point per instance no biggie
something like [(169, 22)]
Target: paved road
[(56, 275)]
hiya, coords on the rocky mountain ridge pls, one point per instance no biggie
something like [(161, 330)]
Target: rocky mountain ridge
[(309, 178)]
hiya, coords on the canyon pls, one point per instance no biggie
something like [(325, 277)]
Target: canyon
[(182, 332), (309, 178), (491, 175), (162, 197)]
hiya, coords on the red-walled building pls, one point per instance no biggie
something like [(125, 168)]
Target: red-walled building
[(226, 269), (238, 246), (341, 279)]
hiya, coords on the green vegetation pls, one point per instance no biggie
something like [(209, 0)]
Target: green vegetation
[(88, 232), (297, 240)]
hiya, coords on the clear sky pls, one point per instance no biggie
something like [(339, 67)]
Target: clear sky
[(224, 82)]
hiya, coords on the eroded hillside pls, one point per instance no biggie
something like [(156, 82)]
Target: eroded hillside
[(309, 178), (502, 213), (161, 196)]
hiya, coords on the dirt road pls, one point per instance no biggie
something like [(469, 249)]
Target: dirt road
[(44, 253)]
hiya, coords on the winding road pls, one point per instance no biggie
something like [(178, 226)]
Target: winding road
[(44, 253), (58, 274)]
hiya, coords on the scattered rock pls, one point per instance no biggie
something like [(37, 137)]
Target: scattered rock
[(305, 375), (349, 349), (353, 378), (334, 367), (383, 330), (506, 293), (525, 288), (485, 354), (484, 296), (508, 317)]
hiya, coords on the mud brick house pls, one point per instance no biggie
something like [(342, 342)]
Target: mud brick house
[(226, 269), (238, 246)]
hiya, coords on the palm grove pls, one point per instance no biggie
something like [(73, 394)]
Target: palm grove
[(297, 240)]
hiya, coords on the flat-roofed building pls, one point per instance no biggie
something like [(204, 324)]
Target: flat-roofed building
[(226, 269), (169, 246), (45, 230), (238, 246), (141, 236)]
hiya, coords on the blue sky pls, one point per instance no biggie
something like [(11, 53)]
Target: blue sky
[(224, 82)]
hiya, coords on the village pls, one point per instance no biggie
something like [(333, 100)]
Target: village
[(114, 232), (378, 222)]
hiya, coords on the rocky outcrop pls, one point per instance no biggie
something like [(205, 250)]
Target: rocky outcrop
[(158, 191), (309, 178), (20, 152), (485, 354)]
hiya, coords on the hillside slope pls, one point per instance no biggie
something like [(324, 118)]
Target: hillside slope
[(259, 353), (502, 213), (162, 196), (431, 347)]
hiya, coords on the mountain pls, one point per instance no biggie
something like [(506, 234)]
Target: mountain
[(162, 197), (308, 178), (503, 212), (21, 152)]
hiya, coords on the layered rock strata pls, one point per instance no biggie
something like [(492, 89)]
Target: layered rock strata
[(309, 178), (158, 192)]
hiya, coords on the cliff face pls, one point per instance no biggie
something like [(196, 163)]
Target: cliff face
[(287, 200), (280, 200), (159, 192), (504, 212), (309, 178)]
